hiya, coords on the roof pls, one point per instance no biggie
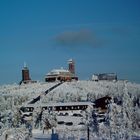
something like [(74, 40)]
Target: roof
[(58, 71), (60, 104)]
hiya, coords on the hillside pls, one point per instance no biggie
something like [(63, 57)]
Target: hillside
[(123, 112)]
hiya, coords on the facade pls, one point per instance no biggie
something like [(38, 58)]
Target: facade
[(104, 76), (68, 106), (62, 74)]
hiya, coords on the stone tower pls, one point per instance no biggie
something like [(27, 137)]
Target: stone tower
[(25, 74), (71, 66)]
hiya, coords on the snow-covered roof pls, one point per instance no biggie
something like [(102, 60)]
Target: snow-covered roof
[(60, 104), (58, 71)]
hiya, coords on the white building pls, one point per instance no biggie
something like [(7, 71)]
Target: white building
[(104, 76)]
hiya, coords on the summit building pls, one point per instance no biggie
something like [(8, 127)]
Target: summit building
[(62, 74)]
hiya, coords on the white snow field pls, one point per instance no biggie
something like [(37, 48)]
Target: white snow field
[(121, 120)]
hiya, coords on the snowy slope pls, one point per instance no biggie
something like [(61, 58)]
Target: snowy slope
[(123, 112), (90, 90)]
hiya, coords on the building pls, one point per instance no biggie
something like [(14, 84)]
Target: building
[(104, 76), (57, 107), (71, 66), (102, 103), (26, 75), (62, 74)]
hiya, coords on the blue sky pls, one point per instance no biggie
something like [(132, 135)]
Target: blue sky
[(100, 35)]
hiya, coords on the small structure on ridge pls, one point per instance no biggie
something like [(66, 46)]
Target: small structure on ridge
[(104, 76)]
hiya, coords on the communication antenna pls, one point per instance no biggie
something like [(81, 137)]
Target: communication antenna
[(25, 64)]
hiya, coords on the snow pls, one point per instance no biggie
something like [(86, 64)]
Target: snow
[(58, 71), (59, 104), (122, 117)]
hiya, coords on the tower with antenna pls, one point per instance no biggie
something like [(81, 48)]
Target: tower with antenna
[(71, 66), (25, 75)]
